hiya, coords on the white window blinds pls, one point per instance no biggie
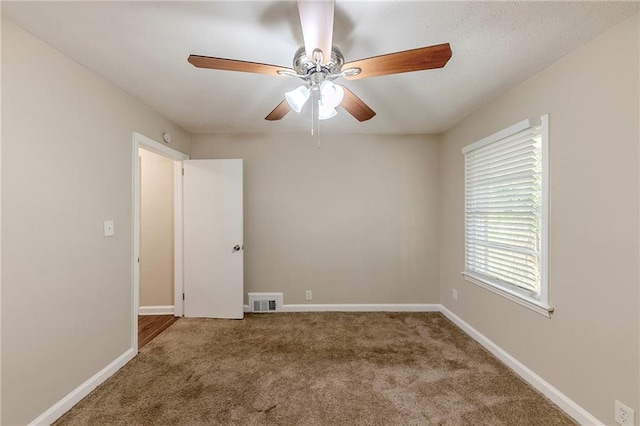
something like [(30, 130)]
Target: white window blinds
[(503, 209)]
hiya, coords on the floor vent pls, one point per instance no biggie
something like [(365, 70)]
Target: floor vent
[(265, 302)]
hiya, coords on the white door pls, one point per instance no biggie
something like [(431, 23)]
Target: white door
[(213, 247)]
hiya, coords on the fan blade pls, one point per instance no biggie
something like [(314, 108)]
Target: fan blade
[(316, 18), (355, 106), (278, 112), (234, 65), (423, 58)]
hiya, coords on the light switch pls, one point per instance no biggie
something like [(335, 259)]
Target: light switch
[(108, 228)]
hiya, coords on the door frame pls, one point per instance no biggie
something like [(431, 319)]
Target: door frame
[(141, 141)]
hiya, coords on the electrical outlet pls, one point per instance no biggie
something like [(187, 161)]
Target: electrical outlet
[(455, 294), (309, 295), (624, 415)]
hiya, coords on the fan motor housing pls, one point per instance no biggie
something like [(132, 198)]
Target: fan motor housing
[(304, 65)]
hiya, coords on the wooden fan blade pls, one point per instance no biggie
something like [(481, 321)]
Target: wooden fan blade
[(355, 106), (316, 18), (234, 65), (423, 58), (278, 112)]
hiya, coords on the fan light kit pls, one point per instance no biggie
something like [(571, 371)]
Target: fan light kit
[(330, 96), (318, 77), (319, 70)]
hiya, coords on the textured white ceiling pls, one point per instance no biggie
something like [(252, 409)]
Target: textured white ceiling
[(143, 48)]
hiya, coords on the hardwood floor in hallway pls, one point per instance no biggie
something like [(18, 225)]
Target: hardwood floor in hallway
[(149, 326)]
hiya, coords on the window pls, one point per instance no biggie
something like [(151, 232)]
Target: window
[(506, 205)]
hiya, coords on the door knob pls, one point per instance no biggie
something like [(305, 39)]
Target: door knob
[(235, 248)]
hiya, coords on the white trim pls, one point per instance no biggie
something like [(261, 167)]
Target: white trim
[(73, 397), (135, 240), (158, 148), (544, 218), (362, 307), (141, 141), (569, 406), (178, 241), (156, 310)]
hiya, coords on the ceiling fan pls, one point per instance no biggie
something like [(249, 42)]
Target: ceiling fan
[(318, 63)]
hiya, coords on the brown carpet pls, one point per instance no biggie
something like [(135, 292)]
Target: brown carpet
[(315, 369)]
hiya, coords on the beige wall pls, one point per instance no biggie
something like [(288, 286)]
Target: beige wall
[(156, 230), (66, 167), (589, 349), (354, 221)]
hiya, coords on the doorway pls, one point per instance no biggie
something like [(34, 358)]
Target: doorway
[(156, 234), (156, 310), (159, 159)]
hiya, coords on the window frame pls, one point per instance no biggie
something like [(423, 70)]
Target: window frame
[(540, 302)]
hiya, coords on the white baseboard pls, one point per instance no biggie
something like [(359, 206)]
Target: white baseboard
[(362, 307), (358, 307), (65, 404), (156, 310), (566, 404)]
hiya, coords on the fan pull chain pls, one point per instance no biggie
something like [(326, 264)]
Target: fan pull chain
[(318, 121), (315, 113)]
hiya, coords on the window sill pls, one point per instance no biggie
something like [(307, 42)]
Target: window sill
[(513, 295)]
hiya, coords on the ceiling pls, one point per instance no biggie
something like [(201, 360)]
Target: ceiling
[(143, 48)]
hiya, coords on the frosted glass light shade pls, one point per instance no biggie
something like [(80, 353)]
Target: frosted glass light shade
[(332, 94), (297, 97), (326, 112)]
